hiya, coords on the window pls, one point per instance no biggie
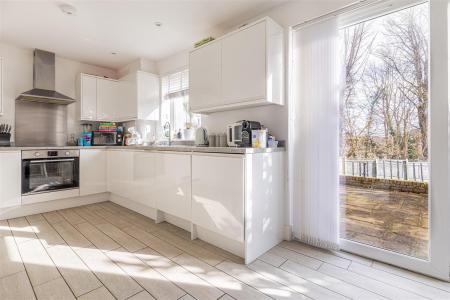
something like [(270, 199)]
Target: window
[(384, 132), (175, 105)]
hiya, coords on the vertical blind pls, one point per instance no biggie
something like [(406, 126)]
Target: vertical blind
[(315, 133)]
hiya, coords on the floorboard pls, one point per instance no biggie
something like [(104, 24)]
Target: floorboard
[(104, 251)]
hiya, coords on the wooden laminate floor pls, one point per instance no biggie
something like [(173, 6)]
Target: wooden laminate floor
[(104, 251)]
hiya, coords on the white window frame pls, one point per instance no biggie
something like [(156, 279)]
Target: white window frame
[(172, 112), (439, 209)]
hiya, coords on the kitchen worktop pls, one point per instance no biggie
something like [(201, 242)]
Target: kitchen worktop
[(176, 148)]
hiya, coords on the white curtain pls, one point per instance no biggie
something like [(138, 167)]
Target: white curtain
[(314, 133)]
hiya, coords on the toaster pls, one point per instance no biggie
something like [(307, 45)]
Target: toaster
[(239, 134)]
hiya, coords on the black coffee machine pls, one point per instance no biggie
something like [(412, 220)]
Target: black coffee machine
[(246, 134)]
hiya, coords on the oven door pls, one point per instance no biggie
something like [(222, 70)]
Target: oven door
[(46, 175)]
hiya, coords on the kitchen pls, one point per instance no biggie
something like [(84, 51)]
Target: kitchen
[(133, 170)]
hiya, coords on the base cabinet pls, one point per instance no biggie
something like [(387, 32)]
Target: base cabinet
[(173, 184), (120, 172), (218, 194), (92, 171), (156, 180), (233, 201), (10, 178), (144, 187)]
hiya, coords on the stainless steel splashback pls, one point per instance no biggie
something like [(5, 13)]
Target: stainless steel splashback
[(40, 124)]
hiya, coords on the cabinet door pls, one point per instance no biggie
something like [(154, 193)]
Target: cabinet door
[(127, 100), (144, 178), (107, 99), (88, 97), (92, 171), (244, 65), (173, 184), (120, 172), (204, 77), (148, 98), (218, 194), (10, 178)]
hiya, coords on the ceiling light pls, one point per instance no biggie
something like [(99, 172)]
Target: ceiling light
[(158, 24), (68, 9)]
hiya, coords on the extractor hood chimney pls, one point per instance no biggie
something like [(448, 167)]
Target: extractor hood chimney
[(44, 81)]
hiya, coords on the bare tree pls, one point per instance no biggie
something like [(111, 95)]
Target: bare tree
[(384, 109), (357, 47), (408, 43)]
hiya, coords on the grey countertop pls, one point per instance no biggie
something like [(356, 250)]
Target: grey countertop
[(176, 148)]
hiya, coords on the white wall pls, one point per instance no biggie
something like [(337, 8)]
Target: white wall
[(18, 78), (140, 64), (173, 63)]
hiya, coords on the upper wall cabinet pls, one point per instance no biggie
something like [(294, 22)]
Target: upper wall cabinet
[(241, 69), (99, 98), (108, 105), (135, 96), (204, 77), (140, 96), (244, 65), (88, 97)]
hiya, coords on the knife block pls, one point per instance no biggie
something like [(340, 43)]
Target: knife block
[(5, 139)]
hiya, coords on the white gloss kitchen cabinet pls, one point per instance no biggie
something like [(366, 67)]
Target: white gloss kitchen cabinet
[(243, 68), (204, 77), (173, 184), (88, 97), (10, 178), (108, 100), (140, 95), (241, 198), (99, 98), (133, 97), (218, 196), (143, 187), (92, 171), (235, 201), (154, 179), (120, 172)]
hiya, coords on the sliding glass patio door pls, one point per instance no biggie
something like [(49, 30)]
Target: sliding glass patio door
[(394, 135)]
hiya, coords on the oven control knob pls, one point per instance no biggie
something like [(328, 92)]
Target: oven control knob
[(37, 154), (67, 153)]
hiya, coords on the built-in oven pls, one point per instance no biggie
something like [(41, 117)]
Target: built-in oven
[(46, 171)]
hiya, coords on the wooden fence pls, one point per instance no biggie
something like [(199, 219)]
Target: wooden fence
[(386, 168)]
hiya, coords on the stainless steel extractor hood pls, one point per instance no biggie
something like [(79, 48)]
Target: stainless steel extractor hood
[(44, 81)]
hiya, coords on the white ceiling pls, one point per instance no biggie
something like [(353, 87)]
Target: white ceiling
[(126, 27)]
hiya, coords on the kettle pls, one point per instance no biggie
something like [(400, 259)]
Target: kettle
[(201, 137)]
